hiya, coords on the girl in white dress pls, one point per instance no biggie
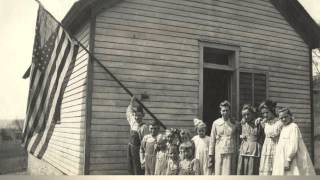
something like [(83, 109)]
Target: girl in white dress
[(162, 156), (291, 153), (201, 143), (272, 128)]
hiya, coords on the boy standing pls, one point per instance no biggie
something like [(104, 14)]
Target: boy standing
[(222, 142), (137, 131), (148, 149)]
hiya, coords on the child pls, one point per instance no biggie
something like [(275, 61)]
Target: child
[(291, 156), (250, 148), (148, 149), (137, 131), (222, 142), (173, 137), (173, 162), (162, 156), (185, 136), (272, 128), (188, 165), (201, 143)]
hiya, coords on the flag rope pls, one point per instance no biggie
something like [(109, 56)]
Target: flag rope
[(103, 66)]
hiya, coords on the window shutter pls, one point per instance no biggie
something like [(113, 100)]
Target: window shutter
[(260, 89), (245, 88), (253, 88)]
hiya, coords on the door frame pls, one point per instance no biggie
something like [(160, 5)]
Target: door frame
[(233, 67)]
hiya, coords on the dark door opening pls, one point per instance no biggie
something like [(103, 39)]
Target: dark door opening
[(216, 88)]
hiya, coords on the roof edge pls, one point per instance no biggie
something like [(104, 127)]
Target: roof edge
[(81, 11), (300, 20)]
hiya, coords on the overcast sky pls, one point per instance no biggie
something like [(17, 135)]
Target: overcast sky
[(17, 19)]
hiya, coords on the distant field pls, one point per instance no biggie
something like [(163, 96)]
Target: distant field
[(13, 158)]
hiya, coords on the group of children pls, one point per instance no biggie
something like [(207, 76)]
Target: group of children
[(263, 139), (174, 153)]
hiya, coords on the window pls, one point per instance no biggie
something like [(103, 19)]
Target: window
[(216, 56), (253, 88)]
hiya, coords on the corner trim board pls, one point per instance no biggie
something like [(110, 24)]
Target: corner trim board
[(89, 95)]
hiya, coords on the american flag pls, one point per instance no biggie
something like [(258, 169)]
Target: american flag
[(53, 58)]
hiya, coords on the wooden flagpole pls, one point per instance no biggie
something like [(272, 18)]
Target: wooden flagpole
[(105, 68)]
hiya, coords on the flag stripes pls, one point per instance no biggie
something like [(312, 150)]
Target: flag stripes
[(53, 57), (52, 90), (45, 137), (43, 98), (38, 87)]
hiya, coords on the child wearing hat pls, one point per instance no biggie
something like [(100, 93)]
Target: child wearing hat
[(173, 137), (201, 143)]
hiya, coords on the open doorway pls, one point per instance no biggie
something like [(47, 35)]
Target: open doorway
[(216, 88), (219, 80)]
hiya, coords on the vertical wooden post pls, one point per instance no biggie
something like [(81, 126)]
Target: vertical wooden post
[(201, 70), (311, 106), (89, 89)]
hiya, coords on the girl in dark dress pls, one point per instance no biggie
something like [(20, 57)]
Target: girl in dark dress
[(251, 138)]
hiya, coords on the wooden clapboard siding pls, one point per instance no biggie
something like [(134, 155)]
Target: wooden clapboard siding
[(152, 46), (66, 148)]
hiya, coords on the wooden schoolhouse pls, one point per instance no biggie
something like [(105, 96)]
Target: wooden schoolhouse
[(187, 56)]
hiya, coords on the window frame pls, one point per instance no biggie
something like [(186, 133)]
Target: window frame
[(233, 67)]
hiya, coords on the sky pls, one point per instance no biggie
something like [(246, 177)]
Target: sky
[(17, 29), (17, 19)]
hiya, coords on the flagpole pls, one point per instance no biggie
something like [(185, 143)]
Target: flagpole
[(106, 69)]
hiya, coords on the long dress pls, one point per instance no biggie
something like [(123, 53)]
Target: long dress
[(137, 132), (222, 145), (292, 148), (272, 131), (250, 150), (161, 163), (148, 153), (189, 167), (202, 153)]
